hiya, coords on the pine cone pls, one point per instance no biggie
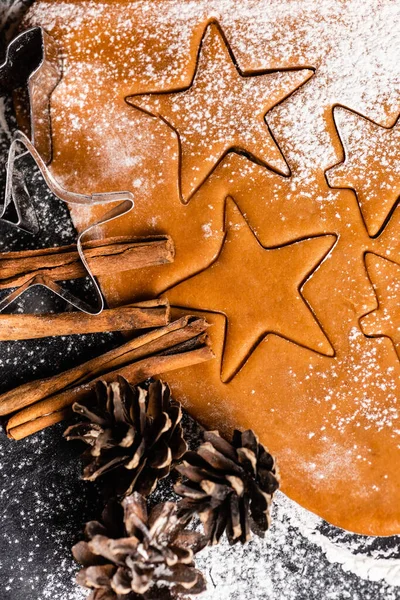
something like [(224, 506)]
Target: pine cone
[(230, 486), (134, 434), (131, 556)]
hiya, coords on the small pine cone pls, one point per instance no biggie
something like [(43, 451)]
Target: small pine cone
[(134, 435), (230, 486), (131, 555)]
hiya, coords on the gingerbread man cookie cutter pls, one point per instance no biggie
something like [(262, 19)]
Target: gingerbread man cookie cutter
[(33, 59)]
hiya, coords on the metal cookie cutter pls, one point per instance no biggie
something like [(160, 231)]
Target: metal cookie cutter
[(32, 62), (32, 58)]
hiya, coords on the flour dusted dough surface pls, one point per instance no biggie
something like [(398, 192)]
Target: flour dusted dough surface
[(293, 361)]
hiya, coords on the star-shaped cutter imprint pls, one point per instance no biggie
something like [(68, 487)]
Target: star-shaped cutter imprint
[(222, 110), (32, 58), (384, 321), (371, 166), (258, 290)]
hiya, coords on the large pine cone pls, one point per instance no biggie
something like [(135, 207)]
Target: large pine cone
[(229, 485), (131, 555), (134, 434)]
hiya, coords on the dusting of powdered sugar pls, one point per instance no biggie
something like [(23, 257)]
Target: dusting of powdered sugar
[(362, 367), (299, 559), (352, 46)]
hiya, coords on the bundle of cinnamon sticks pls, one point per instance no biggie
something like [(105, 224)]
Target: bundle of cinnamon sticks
[(38, 404), (113, 255)]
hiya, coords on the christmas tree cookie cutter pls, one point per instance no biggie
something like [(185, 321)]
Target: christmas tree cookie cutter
[(33, 59)]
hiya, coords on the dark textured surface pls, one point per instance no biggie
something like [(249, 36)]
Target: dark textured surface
[(43, 507), (43, 501)]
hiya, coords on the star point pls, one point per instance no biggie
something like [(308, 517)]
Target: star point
[(222, 110), (384, 321), (371, 166), (265, 299)]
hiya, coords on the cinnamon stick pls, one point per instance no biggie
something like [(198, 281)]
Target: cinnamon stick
[(114, 254), (171, 347), (143, 315), (56, 408), (30, 427)]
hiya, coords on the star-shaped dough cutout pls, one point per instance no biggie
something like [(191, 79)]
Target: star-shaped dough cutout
[(385, 320), (222, 110), (258, 290), (371, 166)]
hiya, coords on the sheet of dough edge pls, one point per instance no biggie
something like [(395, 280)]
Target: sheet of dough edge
[(262, 137)]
